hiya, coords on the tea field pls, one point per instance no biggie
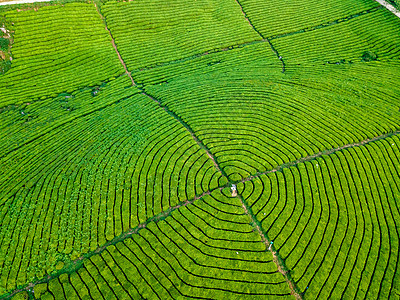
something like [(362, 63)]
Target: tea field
[(237, 149)]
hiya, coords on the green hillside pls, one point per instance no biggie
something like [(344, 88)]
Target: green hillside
[(237, 149)]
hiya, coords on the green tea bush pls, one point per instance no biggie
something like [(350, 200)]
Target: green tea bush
[(149, 33), (291, 16), (369, 56), (253, 118), (111, 190)]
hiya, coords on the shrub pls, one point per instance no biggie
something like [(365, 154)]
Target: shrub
[(369, 56), (4, 44)]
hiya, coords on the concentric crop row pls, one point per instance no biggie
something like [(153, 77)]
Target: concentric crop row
[(334, 221), (206, 250), (78, 186)]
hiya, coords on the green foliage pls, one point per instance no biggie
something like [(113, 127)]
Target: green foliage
[(5, 65), (369, 56), (250, 126), (272, 17), (198, 251), (379, 32), (395, 3), (4, 42), (100, 183), (122, 136), (21, 296)]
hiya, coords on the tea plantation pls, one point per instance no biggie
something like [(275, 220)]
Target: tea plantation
[(208, 149)]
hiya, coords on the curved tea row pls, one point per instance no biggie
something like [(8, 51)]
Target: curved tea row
[(56, 49), (150, 33), (253, 118), (78, 186), (335, 221), (206, 250), (277, 17)]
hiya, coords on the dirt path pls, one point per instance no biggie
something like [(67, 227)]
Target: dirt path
[(389, 7), (269, 245)]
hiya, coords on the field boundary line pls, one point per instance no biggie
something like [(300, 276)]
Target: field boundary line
[(270, 247), (319, 154), (190, 130), (264, 39), (389, 7), (248, 20), (114, 45), (327, 24)]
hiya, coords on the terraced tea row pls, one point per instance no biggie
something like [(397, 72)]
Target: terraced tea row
[(206, 250), (369, 37), (57, 49), (22, 124), (149, 33), (278, 17), (335, 221), (89, 179), (253, 118)]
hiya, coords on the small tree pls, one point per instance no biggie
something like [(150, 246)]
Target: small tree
[(369, 56)]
